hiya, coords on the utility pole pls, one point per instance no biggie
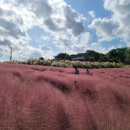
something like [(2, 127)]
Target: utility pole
[(11, 54)]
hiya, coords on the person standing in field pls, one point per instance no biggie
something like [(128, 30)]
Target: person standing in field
[(87, 71), (76, 70)]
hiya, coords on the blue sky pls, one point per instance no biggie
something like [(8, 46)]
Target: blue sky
[(83, 6), (36, 28)]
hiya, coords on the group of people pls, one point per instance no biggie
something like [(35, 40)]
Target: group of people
[(78, 72)]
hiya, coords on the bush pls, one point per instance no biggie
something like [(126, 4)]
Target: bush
[(78, 64)]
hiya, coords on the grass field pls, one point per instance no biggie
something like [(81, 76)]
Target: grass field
[(54, 98)]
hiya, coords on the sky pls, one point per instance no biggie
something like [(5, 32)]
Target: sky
[(45, 28)]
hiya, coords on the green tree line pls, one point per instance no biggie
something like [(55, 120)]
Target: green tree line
[(115, 55)]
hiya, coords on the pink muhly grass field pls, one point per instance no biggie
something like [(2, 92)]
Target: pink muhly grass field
[(49, 98)]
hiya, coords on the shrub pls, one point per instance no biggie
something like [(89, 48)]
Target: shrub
[(78, 64)]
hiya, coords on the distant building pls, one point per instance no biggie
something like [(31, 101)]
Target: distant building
[(79, 57)]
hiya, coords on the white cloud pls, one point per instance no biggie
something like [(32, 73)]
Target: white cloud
[(118, 25), (97, 46), (5, 43), (72, 44), (61, 24), (54, 16), (81, 43), (73, 21), (10, 23), (91, 13), (105, 28), (26, 51)]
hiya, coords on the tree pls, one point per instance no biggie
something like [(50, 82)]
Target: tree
[(103, 58), (41, 58), (127, 60), (62, 56), (117, 55), (91, 55)]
